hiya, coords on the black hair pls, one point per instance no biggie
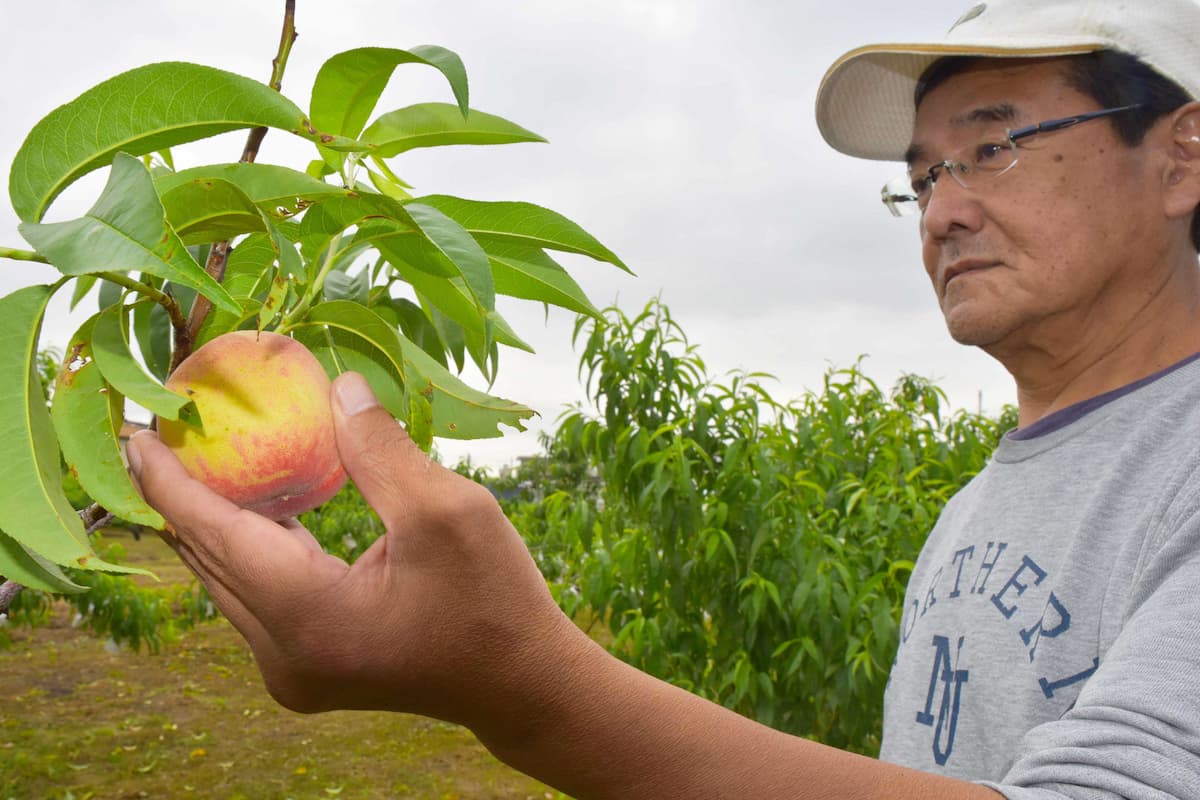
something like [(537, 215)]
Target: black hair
[(1109, 77)]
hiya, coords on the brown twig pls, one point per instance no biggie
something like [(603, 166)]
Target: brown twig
[(287, 38), (218, 256), (8, 592), (95, 517)]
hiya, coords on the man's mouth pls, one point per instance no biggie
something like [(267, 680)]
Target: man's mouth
[(963, 267)]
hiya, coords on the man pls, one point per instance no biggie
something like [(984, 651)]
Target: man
[(1050, 640)]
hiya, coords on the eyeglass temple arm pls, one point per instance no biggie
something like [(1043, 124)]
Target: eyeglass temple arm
[(1066, 122)]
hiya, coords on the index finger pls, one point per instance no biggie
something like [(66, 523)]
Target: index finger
[(253, 561)]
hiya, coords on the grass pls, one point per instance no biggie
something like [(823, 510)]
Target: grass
[(80, 719)]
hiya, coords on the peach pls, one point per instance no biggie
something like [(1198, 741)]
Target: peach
[(268, 442)]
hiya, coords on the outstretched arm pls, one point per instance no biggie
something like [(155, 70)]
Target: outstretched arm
[(446, 615)]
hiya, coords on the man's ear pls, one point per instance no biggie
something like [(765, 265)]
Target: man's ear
[(1183, 176)]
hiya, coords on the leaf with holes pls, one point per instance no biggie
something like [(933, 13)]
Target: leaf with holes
[(33, 509), (87, 413), (278, 191)]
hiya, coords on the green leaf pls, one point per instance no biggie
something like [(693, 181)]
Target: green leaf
[(83, 285), (274, 300), (126, 230), (408, 317), (452, 335), (457, 319), (348, 85), (340, 286), (290, 263), (453, 250), (524, 223), (277, 191), (211, 210), (248, 262), (414, 234), (33, 509), (388, 187), (141, 111), (459, 412), (420, 420), (524, 271), (437, 125), (87, 415), (110, 293), (505, 335), (339, 351), (323, 222), (318, 169), (451, 297), (18, 563), (110, 349), (152, 328)]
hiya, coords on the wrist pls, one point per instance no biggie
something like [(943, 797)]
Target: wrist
[(546, 682)]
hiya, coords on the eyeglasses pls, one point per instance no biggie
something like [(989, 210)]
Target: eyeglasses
[(975, 165)]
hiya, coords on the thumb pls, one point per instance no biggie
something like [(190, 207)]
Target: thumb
[(383, 461)]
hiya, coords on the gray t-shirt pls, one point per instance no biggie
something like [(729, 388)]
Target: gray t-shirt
[(1050, 640)]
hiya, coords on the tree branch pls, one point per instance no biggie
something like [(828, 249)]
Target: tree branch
[(8, 592), (219, 254)]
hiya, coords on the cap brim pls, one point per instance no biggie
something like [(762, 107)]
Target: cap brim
[(865, 101)]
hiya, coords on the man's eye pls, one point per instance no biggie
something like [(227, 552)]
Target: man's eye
[(989, 152), (921, 185)]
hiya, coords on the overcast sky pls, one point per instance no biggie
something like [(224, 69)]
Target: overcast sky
[(681, 135)]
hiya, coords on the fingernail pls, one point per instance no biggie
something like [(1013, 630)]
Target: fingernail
[(354, 393), (133, 452)]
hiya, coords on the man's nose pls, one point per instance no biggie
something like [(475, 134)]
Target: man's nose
[(950, 205)]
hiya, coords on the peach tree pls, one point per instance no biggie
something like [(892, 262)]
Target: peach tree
[(341, 254)]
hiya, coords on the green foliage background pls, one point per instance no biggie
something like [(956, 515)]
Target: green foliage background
[(752, 551)]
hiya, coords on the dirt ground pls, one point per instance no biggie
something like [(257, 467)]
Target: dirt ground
[(81, 718)]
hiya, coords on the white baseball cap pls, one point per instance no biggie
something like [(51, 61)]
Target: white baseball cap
[(865, 105)]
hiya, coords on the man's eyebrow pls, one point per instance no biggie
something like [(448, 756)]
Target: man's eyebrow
[(1000, 112), (912, 153)]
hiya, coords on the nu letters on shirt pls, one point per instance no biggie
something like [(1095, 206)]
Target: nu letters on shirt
[(1010, 586)]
